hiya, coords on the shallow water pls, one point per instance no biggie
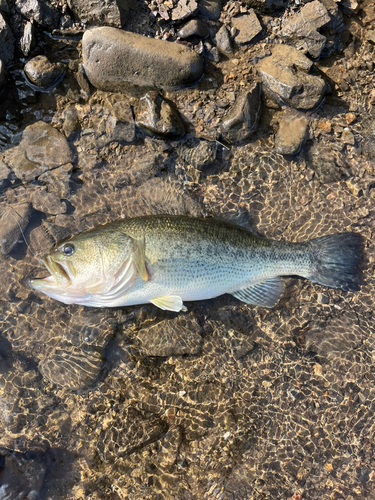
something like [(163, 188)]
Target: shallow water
[(226, 401)]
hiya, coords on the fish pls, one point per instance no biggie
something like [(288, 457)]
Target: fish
[(167, 260)]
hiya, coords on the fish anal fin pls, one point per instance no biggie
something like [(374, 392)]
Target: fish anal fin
[(239, 218), (139, 259), (169, 303), (264, 294)]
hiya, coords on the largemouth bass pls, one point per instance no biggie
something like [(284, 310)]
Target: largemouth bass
[(166, 260)]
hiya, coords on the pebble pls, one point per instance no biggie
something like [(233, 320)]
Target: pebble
[(210, 9), (27, 40), (12, 224), (7, 42), (285, 77), (291, 133), (112, 57), (98, 12), (347, 137), (195, 27), (42, 73), (241, 120), (158, 116), (247, 28)]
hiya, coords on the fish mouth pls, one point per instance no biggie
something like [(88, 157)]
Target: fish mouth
[(60, 275)]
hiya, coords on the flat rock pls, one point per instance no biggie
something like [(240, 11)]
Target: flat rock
[(223, 43), (42, 73), (101, 12), (248, 27), (7, 42), (286, 79), (42, 12), (12, 224), (292, 132), (210, 9), (184, 9), (301, 29), (241, 120), (194, 27), (112, 58), (42, 148), (158, 116)]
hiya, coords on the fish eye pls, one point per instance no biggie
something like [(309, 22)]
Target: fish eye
[(68, 249)]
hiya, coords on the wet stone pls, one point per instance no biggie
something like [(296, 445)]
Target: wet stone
[(285, 76), (42, 73), (223, 42), (42, 12), (7, 42), (291, 133), (42, 148), (198, 153), (46, 202), (247, 28), (12, 224), (158, 116), (184, 9), (301, 29), (113, 57), (181, 335), (241, 120), (195, 27), (210, 9), (27, 40), (101, 12)]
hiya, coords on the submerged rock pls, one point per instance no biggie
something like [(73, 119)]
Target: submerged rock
[(113, 57), (247, 26), (242, 119), (210, 9), (291, 134), (157, 115), (198, 153), (7, 42), (42, 12), (285, 77), (42, 73), (12, 224), (42, 148), (101, 12)]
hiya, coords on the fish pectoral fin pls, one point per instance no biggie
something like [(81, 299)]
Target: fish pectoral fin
[(169, 303), (139, 259), (264, 294)]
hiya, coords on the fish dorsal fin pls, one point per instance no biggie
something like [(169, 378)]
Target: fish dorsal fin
[(239, 218), (139, 259), (265, 294), (169, 303)]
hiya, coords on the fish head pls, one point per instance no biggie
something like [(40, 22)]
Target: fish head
[(83, 265)]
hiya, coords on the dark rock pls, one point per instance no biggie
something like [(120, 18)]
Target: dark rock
[(7, 42), (210, 8), (21, 475), (195, 27), (113, 57), (157, 115), (4, 7), (27, 40), (291, 133), (337, 19), (212, 53), (42, 73), (184, 9), (223, 43), (42, 12), (4, 175), (301, 29), (42, 148), (3, 74), (286, 79), (101, 12), (12, 224), (241, 120), (266, 6), (247, 28)]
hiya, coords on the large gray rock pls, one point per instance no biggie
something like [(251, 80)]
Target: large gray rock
[(112, 57), (286, 79), (42, 148), (241, 120), (7, 42), (42, 12), (101, 12), (248, 27), (301, 29)]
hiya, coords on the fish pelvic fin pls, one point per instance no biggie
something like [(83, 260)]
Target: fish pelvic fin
[(264, 294), (139, 259), (335, 259), (169, 303)]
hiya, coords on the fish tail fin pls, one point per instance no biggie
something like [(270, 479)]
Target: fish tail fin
[(335, 259)]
